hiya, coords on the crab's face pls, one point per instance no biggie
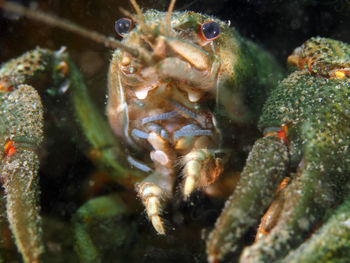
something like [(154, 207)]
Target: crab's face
[(190, 77), (182, 61)]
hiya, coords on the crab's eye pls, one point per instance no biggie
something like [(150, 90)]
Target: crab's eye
[(123, 26), (209, 30)]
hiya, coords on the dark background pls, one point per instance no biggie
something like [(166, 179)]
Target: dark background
[(278, 25)]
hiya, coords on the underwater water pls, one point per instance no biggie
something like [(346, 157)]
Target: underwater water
[(68, 178)]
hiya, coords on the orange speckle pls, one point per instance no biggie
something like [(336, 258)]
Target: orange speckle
[(263, 231), (283, 184), (271, 133), (9, 149), (294, 60), (63, 68), (339, 74), (282, 134), (8, 145), (309, 64), (4, 87)]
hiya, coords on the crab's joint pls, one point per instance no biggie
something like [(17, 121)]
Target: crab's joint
[(9, 149), (281, 133), (192, 172), (162, 153), (200, 169), (151, 195), (63, 68), (4, 87), (272, 215)]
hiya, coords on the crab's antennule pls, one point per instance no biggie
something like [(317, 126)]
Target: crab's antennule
[(141, 18), (67, 25), (168, 18)]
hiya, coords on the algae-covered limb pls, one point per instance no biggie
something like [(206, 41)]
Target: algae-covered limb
[(21, 114)]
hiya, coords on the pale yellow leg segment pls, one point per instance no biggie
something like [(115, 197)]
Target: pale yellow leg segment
[(157, 187), (201, 169), (163, 152), (152, 195), (192, 172)]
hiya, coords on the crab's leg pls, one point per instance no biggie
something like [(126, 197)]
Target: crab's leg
[(201, 169), (98, 132), (19, 165), (87, 220), (271, 216), (154, 191), (330, 243), (156, 188), (153, 197), (319, 185), (21, 131), (21, 128), (304, 206), (266, 166)]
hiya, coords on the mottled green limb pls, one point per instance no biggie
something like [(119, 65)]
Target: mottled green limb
[(21, 126), (90, 216), (35, 68), (23, 209), (266, 166), (331, 243), (321, 182), (97, 129), (21, 114), (298, 218)]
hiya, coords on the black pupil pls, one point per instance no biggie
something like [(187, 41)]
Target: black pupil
[(122, 26), (211, 30)]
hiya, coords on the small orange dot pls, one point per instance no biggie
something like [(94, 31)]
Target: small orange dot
[(8, 145), (339, 74), (9, 149), (4, 87), (263, 231), (63, 67)]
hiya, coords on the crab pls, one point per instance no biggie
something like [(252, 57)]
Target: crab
[(175, 82), (305, 151), (180, 85)]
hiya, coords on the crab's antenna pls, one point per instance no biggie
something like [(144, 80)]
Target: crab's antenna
[(168, 17), (67, 25), (141, 18)]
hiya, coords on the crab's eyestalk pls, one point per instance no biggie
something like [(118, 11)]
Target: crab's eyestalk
[(123, 26), (209, 30)]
